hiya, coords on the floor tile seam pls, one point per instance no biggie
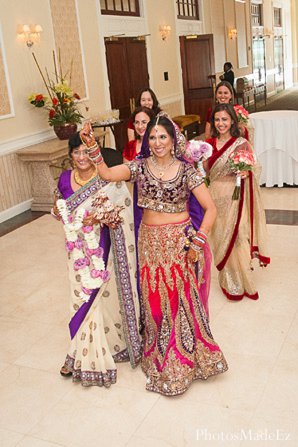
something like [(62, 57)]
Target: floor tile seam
[(143, 419), (40, 439), (290, 327), (42, 416)]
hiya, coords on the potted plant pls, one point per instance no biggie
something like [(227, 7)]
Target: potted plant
[(61, 102)]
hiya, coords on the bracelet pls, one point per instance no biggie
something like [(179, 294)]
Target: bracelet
[(97, 160), (57, 217), (204, 232), (198, 242), (196, 248)]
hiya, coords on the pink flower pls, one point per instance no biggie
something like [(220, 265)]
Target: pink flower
[(200, 150), (81, 263), (79, 244), (105, 275), (69, 246), (87, 229), (95, 251), (87, 291), (95, 273)]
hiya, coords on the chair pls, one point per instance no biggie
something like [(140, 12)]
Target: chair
[(189, 125), (244, 91)]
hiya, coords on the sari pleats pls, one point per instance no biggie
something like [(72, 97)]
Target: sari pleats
[(109, 332)]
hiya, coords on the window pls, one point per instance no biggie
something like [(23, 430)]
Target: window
[(256, 15), (277, 17), (120, 7), (188, 9)]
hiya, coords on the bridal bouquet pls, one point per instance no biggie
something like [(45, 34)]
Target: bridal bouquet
[(200, 151), (240, 161), (242, 114)]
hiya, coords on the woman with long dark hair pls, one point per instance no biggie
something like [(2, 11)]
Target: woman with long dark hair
[(178, 344)]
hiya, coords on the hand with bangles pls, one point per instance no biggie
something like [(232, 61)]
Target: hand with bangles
[(87, 135), (88, 139)]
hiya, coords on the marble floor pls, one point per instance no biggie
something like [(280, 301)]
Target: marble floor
[(254, 403)]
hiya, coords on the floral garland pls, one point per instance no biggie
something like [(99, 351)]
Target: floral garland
[(87, 254)]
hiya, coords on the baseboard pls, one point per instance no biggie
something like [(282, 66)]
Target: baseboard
[(15, 210)]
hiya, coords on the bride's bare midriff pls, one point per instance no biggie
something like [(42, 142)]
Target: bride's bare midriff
[(154, 218)]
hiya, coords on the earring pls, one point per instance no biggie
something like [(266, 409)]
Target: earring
[(150, 151), (173, 150)]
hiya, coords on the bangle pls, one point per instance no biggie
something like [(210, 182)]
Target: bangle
[(196, 248), (97, 160), (56, 216)]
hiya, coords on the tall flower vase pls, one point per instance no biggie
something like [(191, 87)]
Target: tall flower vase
[(64, 131)]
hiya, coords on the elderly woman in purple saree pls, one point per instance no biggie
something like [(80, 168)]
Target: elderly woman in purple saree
[(104, 320)]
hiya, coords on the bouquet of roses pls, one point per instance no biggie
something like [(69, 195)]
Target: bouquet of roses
[(200, 151), (241, 160), (242, 114)]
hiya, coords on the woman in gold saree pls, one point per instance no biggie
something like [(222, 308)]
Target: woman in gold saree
[(104, 301), (239, 233)]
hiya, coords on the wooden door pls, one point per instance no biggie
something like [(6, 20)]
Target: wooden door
[(197, 60), (128, 75)]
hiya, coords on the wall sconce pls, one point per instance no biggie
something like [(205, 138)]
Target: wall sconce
[(165, 31), (232, 33), (29, 33)]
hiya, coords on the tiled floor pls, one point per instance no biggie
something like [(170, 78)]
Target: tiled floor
[(254, 403)]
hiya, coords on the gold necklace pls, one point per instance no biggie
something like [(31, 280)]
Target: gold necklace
[(162, 169), (81, 182)]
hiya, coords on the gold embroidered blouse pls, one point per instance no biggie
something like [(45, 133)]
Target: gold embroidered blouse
[(168, 196)]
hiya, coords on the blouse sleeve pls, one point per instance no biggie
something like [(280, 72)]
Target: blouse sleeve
[(194, 177), (208, 115), (133, 166), (129, 152), (130, 124)]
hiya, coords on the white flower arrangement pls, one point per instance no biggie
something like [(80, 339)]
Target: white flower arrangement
[(87, 254)]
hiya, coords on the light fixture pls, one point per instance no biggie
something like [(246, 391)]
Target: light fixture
[(232, 33), (29, 34), (165, 31)]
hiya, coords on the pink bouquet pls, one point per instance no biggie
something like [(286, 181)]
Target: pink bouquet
[(200, 151), (240, 161), (242, 114)]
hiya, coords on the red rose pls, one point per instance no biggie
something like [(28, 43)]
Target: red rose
[(52, 113), (75, 95), (38, 98), (55, 101)]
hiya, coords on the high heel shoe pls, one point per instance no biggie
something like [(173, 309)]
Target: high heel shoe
[(65, 372)]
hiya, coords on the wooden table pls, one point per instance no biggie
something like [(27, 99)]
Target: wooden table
[(41, 156)]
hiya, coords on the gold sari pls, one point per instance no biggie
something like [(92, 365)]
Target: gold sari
[(239, 233)]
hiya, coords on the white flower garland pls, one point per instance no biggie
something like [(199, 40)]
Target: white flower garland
[(87, 256)]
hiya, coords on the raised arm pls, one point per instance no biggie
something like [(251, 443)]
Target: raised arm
[(114, 174)]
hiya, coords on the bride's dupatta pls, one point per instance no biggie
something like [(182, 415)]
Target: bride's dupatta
[(104, 330), (238, 221)]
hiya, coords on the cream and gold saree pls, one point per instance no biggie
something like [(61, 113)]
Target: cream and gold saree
[(104, 330), (239, 233)]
